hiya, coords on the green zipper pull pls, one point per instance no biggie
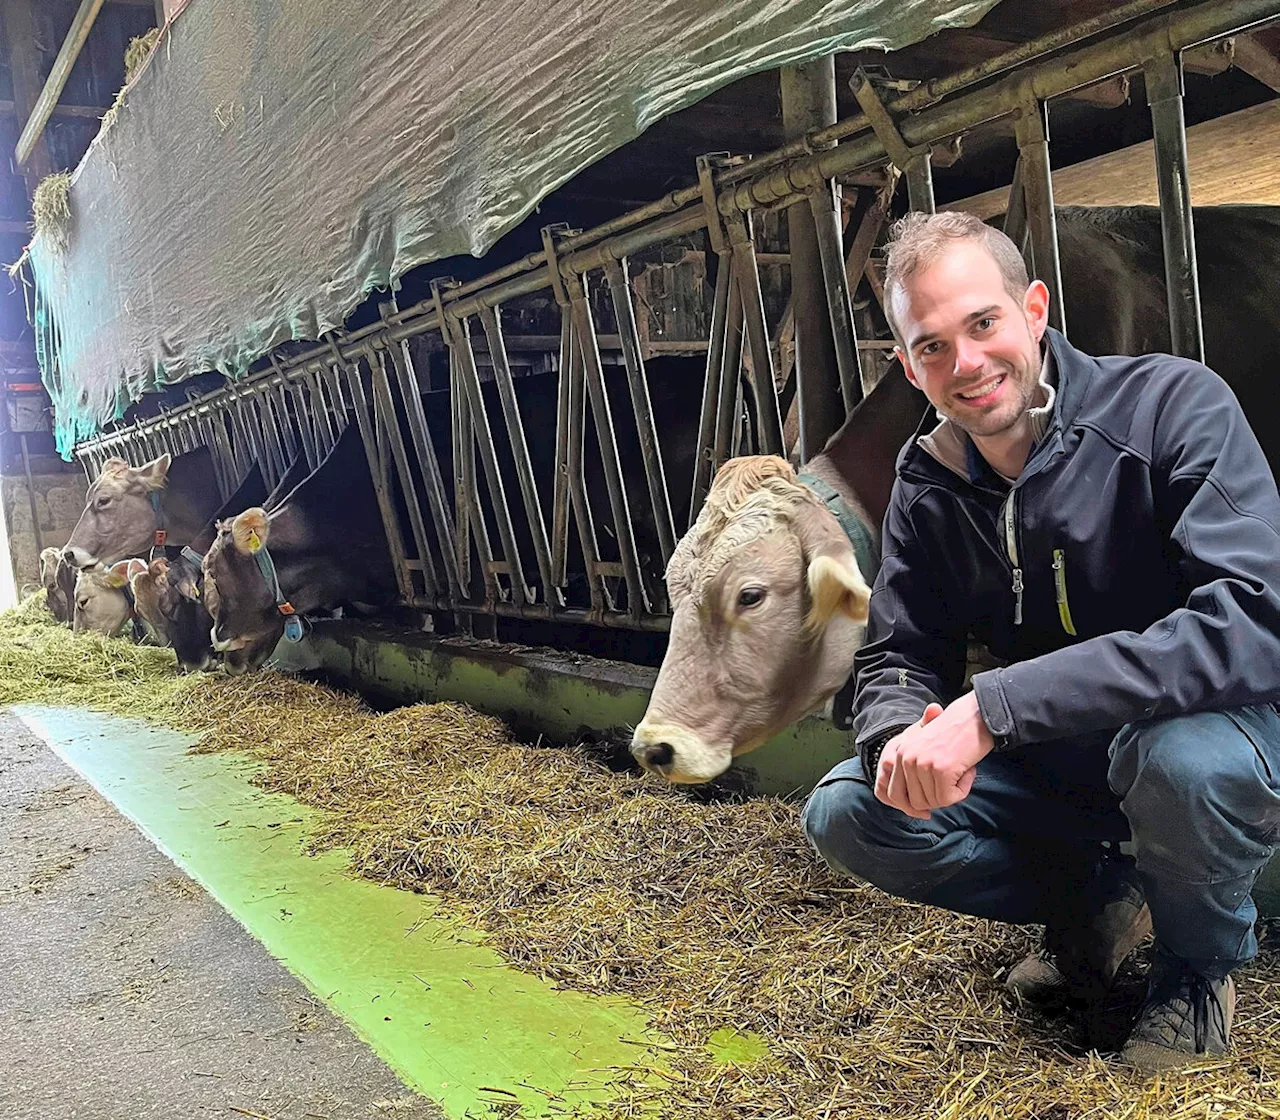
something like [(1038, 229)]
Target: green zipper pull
[(1060, 590)]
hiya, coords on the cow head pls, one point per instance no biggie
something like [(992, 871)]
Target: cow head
[(101, 602), (768, 610), (167, 598), (118, 519), (246, 622), (59, 590)]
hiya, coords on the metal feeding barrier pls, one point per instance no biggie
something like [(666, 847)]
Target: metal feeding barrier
[(489, 512)]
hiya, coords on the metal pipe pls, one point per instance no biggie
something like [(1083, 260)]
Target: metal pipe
[(519, 448), (704, 463), (1037, 187), (919, 176), (428, 463), (31, 493), (840, 316), (602, 414), (378, 476), (642, 407), (1163, 75), (560, 478), (385, 408), (576, 405), (483, 434), (730, 375), (760, 372)]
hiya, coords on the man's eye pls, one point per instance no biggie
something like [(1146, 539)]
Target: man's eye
[(929, 349), (750, 597), (986, 324)]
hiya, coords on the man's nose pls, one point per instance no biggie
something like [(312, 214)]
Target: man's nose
[(969, 357)]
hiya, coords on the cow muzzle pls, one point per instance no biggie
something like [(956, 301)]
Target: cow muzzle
[(77, 557), (677, 754)]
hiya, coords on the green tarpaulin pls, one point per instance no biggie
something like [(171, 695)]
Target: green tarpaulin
[(279, 159)]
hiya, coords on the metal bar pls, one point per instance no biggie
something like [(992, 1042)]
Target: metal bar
[(919, 176), (704, 463), (385, 407), (730, 377), (271, 437), (519, 449), (461, 335), (637, 594), (642, 407), (1037, 189), (280, 401), (31, 494), (1015, 216), (760, 372), (299, 391), (576, 407), (839, 308), (467, 504), (428, 463), (81, 25), (1163, 75), (377, 474), (560, 486)]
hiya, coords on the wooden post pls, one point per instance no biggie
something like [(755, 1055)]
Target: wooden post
[(81, 25), (24, 62)]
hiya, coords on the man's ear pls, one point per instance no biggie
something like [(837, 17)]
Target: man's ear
[(835, 583), (155, 474), (249, 531), (1035, 306)]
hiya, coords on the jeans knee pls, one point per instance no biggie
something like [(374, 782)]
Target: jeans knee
[(858, 835), (1197, 783)]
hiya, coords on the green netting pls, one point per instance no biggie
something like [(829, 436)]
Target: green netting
[(277, 160)]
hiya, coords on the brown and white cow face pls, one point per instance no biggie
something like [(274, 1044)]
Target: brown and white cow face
[(169, 602), (59, 583), (101, 603), (118, 519), (769, 608), (246, 623)]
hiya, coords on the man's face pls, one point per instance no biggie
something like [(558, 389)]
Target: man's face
[(971, 347)]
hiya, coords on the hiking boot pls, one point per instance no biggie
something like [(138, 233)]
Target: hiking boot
[(1186, 1018), (1079, 961)]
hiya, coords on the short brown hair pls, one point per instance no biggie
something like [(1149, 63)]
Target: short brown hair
[(919, 239)]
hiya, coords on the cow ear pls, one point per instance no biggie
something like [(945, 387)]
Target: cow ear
[(117, 577), (249, 531), (155, 474), (836, 585)]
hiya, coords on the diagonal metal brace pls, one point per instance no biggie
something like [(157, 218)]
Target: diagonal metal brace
[(708, 165), (882, 124), (549, 235)]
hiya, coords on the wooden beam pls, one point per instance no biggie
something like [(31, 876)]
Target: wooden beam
[(21, 29), (1232, 159), (1256, 60), (80, 112), (81, 25)]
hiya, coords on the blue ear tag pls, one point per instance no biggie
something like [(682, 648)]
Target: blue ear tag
[(294, 631)]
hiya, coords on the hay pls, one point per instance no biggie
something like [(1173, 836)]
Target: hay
[(708, 914), (51, 210), (137, 53)]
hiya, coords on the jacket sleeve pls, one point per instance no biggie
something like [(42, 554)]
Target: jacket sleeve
[(1221, 649), (914, 653)]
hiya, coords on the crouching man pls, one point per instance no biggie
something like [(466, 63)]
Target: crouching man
[(1111, 528)]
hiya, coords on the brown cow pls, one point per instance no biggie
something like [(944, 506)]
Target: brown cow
[(103, 598), (126, 505)]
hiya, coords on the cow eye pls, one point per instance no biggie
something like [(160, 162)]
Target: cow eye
[(103, 501), (750, 597)]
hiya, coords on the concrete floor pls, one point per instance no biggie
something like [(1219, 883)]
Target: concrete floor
[(126, 992)]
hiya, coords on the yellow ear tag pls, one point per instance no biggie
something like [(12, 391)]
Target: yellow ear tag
[(254, 542)]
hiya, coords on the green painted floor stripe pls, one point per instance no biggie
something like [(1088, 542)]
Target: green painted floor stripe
[(444, 1012)]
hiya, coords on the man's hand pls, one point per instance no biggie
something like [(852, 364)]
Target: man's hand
[(932, 763)]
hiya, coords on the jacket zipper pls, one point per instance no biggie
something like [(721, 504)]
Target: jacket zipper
[(1060, 590), (1010, 517)]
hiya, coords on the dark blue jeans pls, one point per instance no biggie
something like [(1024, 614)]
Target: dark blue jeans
[(1199, 795)]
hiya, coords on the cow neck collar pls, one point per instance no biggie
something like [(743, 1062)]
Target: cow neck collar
[(162, 534), (864, 549), (293, 628)]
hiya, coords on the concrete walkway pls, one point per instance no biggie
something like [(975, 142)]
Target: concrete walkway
[(127, 994)]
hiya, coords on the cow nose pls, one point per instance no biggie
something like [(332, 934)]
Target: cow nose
[(657, 755)]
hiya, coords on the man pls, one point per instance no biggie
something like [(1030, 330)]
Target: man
[(1110, 527)]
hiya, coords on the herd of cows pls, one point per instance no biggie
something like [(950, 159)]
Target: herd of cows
[(153, 549)]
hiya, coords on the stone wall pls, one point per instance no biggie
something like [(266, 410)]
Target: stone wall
[(59, 501)]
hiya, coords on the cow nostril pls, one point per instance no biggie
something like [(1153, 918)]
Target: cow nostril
[(658, 755)]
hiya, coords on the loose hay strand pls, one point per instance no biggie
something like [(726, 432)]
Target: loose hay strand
[(705, 913), (51, 209)]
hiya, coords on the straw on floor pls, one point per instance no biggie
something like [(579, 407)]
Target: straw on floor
[(709, 914)]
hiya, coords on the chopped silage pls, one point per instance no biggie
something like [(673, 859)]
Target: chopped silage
[(708, 914)]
